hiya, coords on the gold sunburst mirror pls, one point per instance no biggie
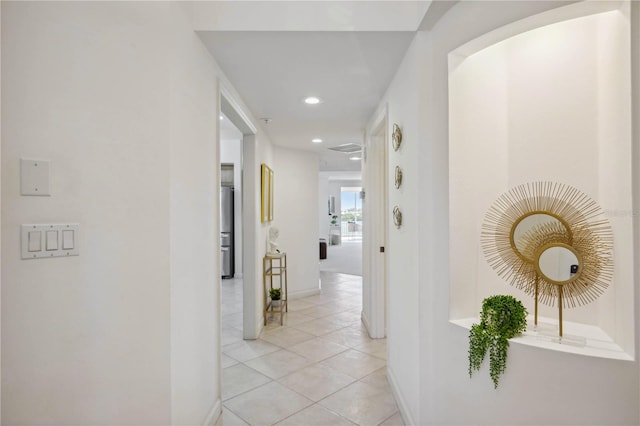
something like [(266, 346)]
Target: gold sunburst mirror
[(551, 241)]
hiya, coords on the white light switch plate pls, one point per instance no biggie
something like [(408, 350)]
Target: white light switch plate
[(34, 177), (62, 236)]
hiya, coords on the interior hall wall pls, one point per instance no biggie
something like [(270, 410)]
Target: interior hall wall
[(118, 96), (296, 217), (194, 225), (323, 207), (0, 210), (539, 386), (257, 149), (402, 291)]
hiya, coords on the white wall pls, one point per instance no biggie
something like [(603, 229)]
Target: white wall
[(122, 98), (0, 210), (402, 244), (231, 153), (194, 227), (296, 216), (323, 207), (539, 386), (257, 149)]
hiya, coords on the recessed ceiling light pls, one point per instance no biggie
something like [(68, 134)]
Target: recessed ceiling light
[(355, 158), (312, 100), (316, 140), (222, 117)]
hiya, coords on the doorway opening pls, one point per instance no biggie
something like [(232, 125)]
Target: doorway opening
[(231, 269), (341, 231), (351, 215), (236, 141)]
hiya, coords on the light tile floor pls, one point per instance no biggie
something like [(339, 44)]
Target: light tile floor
[(319, 369)]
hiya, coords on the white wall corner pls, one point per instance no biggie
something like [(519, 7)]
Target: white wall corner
[(403, 407), (365, 321), (214, 414), (257, 329)]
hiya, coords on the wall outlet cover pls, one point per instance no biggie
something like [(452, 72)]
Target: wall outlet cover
[(34, 177)]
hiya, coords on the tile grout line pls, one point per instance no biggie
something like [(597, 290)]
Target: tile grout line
[(353, 344)]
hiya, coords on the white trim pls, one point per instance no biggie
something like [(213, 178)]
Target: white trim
[(381, 114), (377, 227), (237, 107), (214, 414), (303, 293), (251, 303), (400, 400), (259, 328), (365, 321), (564, 13)]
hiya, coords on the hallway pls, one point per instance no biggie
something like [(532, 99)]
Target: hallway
[(320, 368)]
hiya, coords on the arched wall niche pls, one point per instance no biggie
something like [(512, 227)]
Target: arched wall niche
[(545, 99)]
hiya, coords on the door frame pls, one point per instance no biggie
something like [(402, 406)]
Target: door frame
[(375, 262), (233, 110)]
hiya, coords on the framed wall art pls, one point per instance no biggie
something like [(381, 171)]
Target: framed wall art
[(271, 195), (265, 174)]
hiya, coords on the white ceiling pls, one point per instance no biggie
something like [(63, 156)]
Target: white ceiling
[(273, 71)]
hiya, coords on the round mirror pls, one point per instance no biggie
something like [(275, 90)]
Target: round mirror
[(523, 228), (559, 263)]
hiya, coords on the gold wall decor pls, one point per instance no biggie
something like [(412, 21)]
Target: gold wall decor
[(266, 198), (398, 177), (551, 241), (397, 217), (396, 137), (271, 192)]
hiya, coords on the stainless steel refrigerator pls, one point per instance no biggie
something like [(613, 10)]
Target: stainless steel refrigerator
[(226, 232)]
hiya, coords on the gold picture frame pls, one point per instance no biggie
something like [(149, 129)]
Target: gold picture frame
[(271, 202), (264, 198)]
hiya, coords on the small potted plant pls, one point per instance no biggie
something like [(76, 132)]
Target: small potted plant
[(502, 318), (275, 294)]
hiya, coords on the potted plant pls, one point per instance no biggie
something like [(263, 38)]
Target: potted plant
[(502, 318), (275, 294)]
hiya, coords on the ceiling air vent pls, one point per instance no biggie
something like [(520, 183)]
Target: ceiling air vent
[(348, 148)]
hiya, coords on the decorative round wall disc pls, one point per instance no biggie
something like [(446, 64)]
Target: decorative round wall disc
[(397, 217), (398, 180), (396, 137)]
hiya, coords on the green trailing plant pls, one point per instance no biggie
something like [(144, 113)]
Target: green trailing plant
[(502, 318), (275, 293)]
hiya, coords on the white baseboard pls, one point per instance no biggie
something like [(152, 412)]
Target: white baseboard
[(303, 293), (259, 327), (400, 400), (214, 414), (365, 321)]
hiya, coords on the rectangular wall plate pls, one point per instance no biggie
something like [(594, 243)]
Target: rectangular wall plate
[(49, 240), (34, 177)]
